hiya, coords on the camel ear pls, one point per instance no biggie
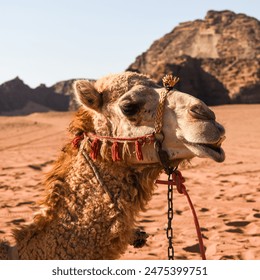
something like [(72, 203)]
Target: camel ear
[(87, 95)]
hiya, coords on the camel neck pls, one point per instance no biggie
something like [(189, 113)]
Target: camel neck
[(80, 221), (121, 183)]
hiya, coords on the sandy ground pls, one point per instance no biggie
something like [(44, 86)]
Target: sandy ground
[(226, 195)]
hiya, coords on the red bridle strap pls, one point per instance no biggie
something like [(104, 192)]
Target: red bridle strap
[(97, 142), (178, 180), (147, 138)]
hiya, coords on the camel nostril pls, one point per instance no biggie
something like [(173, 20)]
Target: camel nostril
[(221, 129), (198, 111)]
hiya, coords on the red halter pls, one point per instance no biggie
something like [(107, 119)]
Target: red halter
[(97, 142)]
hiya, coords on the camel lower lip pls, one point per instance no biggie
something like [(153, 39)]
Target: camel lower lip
[(208, 150), (216, 153)]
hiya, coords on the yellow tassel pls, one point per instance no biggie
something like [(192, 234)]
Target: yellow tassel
[(104, 150), (126, 151), (169, 81)]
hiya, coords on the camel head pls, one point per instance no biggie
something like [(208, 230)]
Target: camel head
[(125, 105)]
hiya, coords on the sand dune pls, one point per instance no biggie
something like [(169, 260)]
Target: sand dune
[(226, 195)]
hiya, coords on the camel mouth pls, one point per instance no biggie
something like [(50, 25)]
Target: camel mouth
[(210, 150)]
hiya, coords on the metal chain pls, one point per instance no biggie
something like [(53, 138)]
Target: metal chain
[(169, 231), (168, 82)]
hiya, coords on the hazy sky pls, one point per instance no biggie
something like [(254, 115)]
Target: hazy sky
[(45, 41)]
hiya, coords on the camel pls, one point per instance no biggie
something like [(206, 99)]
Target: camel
[(105, 173)]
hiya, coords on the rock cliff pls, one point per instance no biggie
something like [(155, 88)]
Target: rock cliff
[(217, 59), (18, 98)]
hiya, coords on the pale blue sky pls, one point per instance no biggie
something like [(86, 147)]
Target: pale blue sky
[(45, 41)]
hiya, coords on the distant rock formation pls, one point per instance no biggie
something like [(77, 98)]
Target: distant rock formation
[(14, 95), (18, 98), (217, 59), (66, 88)]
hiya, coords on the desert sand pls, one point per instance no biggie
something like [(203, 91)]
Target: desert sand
[(225, 195)]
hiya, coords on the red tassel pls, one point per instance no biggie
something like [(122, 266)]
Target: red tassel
[(77, 140), (179, 180), (138, 150), (94, 148), (115, 151)]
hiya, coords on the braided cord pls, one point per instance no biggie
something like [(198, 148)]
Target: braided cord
[(159, 114)]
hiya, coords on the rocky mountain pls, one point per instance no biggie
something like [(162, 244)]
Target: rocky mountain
[(13, 95), (217, 59), (18, 98)]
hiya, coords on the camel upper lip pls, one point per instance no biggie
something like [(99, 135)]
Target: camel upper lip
[(211, 150)]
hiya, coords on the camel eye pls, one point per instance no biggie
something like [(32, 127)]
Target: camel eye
[(130, 109)]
